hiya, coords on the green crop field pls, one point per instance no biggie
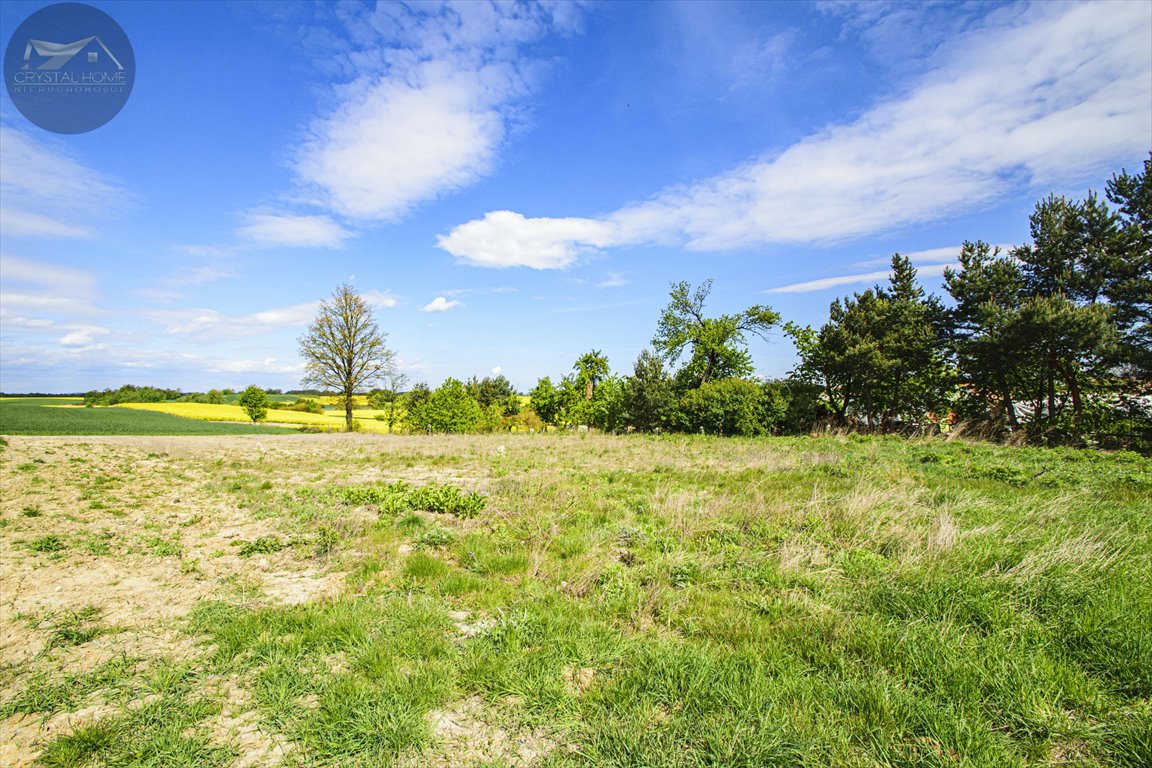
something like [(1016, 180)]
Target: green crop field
[(567, 600), (66, 416)]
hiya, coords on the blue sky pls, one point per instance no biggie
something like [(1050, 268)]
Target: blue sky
[(511, 186)]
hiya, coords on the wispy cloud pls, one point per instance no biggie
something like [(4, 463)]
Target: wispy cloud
[(18, 321), (434, 91), (47, 192), (947, 255), (825, 283), (614, 280), (479, 291), (206, 273), (260, 365), (212, 322), (293, 231), (1036, 96), (36, 302), (594, 307), (715, 47), (439, 304), (930, 256), (66, 281), (45, 291), (15, 222)]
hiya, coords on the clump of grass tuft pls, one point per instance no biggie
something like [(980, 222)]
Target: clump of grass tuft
[(435, 537), (75, 628), (49, 543), (265, 545), (159, 546)]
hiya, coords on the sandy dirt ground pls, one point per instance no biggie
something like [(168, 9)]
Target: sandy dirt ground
[(135, 531)]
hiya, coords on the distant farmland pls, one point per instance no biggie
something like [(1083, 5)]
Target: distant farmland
[(67, 416)]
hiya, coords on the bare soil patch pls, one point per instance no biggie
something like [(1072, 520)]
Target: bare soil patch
[(134, 531)]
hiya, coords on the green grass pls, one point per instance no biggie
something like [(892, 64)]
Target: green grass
[(167, 729), (41, 416), (683, 602)]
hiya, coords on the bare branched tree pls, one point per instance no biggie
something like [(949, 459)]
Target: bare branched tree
[(344, 350)]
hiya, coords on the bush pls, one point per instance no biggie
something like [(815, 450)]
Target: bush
[(449, 409), (303, 405), (729, 407), (254, 401)]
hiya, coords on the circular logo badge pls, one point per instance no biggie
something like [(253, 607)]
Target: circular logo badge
[(69, 68)]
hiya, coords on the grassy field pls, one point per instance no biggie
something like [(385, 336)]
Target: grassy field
[(624, 601), (67, 416)]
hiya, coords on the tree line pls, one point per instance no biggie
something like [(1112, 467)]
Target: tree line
[(1050, 341)]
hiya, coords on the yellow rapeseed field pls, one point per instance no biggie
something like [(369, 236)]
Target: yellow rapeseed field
[(332, 420)]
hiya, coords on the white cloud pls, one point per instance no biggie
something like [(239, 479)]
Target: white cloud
[(206, 273), (395, 144), (293, 231), (1044, 95), (439, 304), (479, 291), (214, 323), (415, 367), (43, 303), (210, 322), (24, 322), (41, 297), (67, 281), (947, 255), (716, 47), (262, 365), (868, 277), (18, 223), (614, 280), (497, 370), (296, 314), (508, 239), (43, 175), (83, 336), (378, 299), (434, 92)]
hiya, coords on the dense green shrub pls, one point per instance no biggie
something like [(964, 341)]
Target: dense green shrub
[(400, 497), (448, 409)]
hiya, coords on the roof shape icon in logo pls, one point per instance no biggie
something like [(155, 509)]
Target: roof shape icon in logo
[(59, 54)]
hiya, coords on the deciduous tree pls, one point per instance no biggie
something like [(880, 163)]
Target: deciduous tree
[(344, 349), (718, 346), (254, 401), (590, 369)]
